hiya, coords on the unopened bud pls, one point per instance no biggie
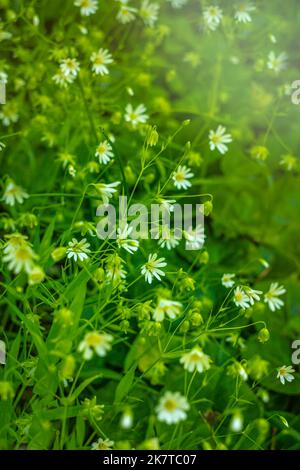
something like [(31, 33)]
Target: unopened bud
[(58, 254), (263, 335)]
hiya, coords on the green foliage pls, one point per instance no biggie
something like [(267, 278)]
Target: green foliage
[(85, 344)]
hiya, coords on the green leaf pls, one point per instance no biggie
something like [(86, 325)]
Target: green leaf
[(124, 386)]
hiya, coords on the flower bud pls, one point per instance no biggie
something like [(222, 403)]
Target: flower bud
[(184, 328), (152, 137), (196, 319), (208, 207), (58, 253), (6, 390), (204, 257), (126, 419), (36, 275), (68, 368), (263, 335)]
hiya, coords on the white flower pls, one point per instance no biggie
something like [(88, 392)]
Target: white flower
[(19, 256), (181, 177), (242, 14), (13, 194), (126, 421), (227, 280), (63, 80), (102, 444), (69, 67), (100, 60), (104, 152), (172, 408), (72, 171), (87, 7), (218, 139), (168, 239), (241, 371), (78, 250), (165, 307), (277, 63), (196, 360), (271, 297), (136, 116), (149, 12), (2, 146), (285, 374), (124, 240), (240, 298), (107, 190), (167, 205), (194, 238), (15, 240), (212, 16), (237, 423), (177, 3), (253, 295), (94, 342), (126, 14), (151, 268)]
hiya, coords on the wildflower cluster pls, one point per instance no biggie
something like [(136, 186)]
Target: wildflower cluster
[(139, 341)]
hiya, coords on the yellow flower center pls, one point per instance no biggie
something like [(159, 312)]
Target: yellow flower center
[(12, 191), (170, 405), (99, 59), (195, 357), (213, 11), (102, 148), (180, 176), (133, 116), (238, 296), (216, 139), (23, 254), (93, 340)]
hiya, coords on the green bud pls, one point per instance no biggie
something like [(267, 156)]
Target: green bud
[(64, 316), (263, 335), (206, 445), (36, 275), (187, 284), (208, 207), (149, 178), (129, 175), (152, 137), (259, 153), (28, 220), (91, 409), (196, 319), (144, 311), (58, 253), (204, 257), (150, 444), (184, 328), (124, 325), (6, 390), (99, 275), (68, 368)]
